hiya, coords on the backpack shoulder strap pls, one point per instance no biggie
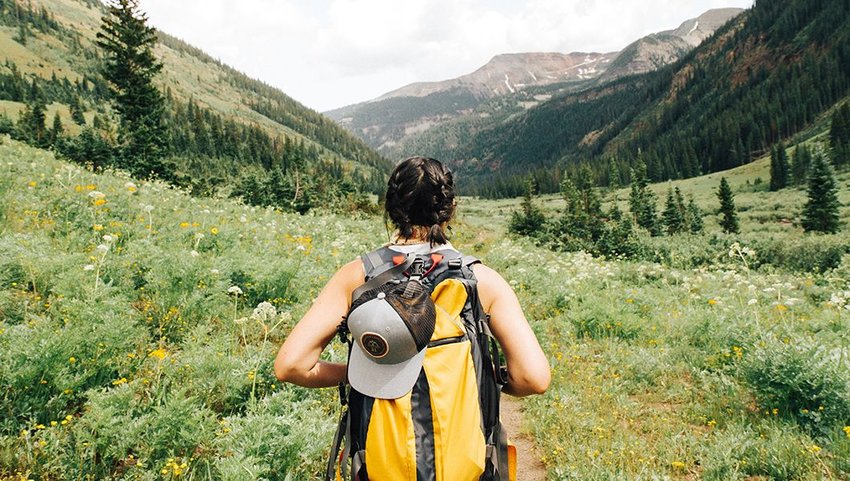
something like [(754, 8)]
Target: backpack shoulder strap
[(378, 260), (392, 265)]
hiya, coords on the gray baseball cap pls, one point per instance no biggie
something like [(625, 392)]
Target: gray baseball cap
[(391, 327)]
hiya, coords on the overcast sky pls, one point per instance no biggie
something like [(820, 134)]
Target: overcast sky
[(331, 53)]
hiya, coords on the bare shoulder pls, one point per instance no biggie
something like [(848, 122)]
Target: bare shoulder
[(350, 275), (491, 285), (352, 270)]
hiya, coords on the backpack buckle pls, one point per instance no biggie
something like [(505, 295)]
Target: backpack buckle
[(417, 269), (455, 263)]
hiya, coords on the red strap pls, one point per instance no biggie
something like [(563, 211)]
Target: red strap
[(435, 260), (399, 260)]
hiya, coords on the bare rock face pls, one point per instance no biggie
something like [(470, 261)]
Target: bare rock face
[(507, 73), (662, 48)]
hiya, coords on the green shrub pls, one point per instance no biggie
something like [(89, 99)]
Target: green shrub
[(802, 379)]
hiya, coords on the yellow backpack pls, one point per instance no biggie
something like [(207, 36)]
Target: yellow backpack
[(447, 427)]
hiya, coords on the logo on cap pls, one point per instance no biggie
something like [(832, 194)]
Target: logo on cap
[(375, 345)]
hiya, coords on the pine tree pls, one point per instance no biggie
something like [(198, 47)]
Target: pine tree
[(31, 126), (778, 167), (529, 219), (56, 130), (839, 136), (729, 220), (77, 112), (581, 223), (130, 66), (694, 216), (800, 162), (673, 215), (820, 214), (642, 201)]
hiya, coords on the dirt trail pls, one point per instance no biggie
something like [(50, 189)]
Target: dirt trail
[(529, 466)]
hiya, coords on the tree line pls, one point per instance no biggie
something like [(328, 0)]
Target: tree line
[(585, 225)]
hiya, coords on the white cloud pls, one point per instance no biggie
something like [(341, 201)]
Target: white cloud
[(330, 53)]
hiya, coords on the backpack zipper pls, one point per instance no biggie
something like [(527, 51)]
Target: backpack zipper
[(448, 340)]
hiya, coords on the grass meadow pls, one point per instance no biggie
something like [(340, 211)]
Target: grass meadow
[(138, 326)]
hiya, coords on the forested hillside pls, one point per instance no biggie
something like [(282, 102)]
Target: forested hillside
[(764, 77), (226, 130)]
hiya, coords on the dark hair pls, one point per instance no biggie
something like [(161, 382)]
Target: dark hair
[(420, 193)]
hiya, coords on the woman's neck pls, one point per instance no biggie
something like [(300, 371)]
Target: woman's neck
[(401, 241), (417, 236)]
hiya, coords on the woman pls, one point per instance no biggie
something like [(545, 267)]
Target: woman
[(420, 203)]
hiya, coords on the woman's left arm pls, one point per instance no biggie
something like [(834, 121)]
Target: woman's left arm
[(298, 358)]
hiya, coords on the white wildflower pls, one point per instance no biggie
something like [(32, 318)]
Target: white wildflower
[(234, 290), (194, 253), (264, 311), (108, 238), (88, 267), (102, 248), (96, 194), (215, 272), (752, 302)]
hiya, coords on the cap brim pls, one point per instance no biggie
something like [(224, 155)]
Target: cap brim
[(382, 381)]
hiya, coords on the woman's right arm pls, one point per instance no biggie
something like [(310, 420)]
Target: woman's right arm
[(528, 368), (298, 359)]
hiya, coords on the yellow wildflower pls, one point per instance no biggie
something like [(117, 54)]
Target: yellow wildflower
[(32, 183), (72, 359), (847, 431), (97, 227), (119, 382), (678, 465), (712, 302), (159, 353), (184, 224), (214, 231), (99, 202)]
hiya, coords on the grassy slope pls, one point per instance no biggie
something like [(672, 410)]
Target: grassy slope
[(152, 364), (188, 76), (648, 362)]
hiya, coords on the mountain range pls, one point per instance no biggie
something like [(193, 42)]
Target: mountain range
[(774, 72), (509, 83)]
